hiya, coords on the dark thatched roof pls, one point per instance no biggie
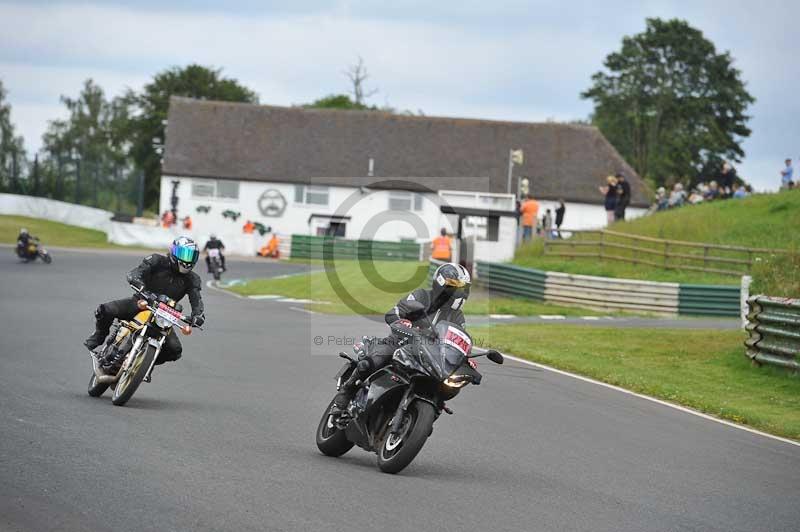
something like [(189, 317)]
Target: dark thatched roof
[(265, 143)]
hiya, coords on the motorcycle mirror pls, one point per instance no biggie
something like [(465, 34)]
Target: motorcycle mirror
[(495, 357)]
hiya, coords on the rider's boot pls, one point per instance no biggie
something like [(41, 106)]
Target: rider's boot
[(94, 340)]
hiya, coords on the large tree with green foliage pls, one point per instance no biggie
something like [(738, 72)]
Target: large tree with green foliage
[(149, 112), (670, 103), (12, 149)]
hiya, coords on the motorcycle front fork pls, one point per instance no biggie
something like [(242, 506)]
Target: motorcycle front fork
[(159, 345)]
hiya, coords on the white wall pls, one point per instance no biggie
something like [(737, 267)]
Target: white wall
[(56, 211), (370, 214), (584, 215)]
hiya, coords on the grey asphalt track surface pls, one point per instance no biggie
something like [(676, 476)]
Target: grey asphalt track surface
[(224, 439)]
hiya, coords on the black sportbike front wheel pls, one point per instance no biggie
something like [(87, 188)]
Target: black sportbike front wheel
[(330, 440), (399, 450)]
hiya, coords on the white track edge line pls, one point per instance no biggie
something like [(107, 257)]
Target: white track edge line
[(298, 309), (684, 409)]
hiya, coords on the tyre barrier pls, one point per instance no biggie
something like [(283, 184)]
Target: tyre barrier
[(773, 327), (605, 293)]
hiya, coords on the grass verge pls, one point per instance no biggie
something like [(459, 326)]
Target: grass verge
[(54, 233), (702, 369), (357, 291), (764, 221)]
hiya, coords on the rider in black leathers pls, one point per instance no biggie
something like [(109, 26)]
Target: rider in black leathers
[(215, 243), (444, 301), (160, 274), (23, 240)]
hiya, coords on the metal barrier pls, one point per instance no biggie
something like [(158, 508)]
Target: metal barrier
[(317, 247), (605, 293), (773, 325)]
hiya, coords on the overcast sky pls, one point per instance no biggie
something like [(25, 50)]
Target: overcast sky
[(512, 60)]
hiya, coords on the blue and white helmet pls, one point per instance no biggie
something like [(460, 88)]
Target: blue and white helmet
[(183, 253)]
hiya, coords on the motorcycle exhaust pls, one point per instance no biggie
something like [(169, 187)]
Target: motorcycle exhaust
[(101, 377)]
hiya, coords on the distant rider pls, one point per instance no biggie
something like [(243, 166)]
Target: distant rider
[(444, 301), (170, 275), (214, 243), (23, 240)]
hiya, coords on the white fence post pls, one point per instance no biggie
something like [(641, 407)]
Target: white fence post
[(745, 295)]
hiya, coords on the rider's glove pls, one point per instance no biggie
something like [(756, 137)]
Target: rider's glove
[(198, 321)]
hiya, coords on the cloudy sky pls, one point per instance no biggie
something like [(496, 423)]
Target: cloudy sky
[(512, 60)]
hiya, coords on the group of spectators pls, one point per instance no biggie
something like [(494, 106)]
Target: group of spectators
[(617, 193), (547, 226), (723, 188)]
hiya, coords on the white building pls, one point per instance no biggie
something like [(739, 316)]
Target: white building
[(374, 175)]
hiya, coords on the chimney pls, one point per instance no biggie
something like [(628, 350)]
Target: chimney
[(371, 171)]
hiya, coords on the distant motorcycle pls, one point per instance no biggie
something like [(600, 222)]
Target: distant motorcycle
[(134, 345), (33, 250), (215, 263), (393, 411)]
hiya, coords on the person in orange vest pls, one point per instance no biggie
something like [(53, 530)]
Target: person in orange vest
[(529, 209), (270, 249), (167, 219), (441, 248), (187, 223), (249, 227)]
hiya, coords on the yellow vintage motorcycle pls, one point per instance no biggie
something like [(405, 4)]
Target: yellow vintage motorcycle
[(139, 341)]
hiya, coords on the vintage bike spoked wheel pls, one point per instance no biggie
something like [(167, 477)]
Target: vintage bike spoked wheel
[(132, 377)]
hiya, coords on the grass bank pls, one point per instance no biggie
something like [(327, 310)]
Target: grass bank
[(54, 233), (353, 290), (702, 369), (765, 221)]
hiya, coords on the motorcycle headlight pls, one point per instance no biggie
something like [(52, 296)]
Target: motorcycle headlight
[(161, 322), (457, 381)]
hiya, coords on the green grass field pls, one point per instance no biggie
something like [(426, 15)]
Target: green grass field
[(766, 221), (702, 369), (54, 233), (357, 292)]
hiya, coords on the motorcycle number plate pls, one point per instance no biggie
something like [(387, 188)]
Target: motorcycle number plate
[(213, 253), (459, 340), (169, 314)]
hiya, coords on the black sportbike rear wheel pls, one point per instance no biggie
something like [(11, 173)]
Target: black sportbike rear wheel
[(96, 389), (132, 377), (399, 450), (330, 440)]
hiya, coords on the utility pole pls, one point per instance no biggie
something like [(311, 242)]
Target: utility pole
[(514, 157), (140, 203)]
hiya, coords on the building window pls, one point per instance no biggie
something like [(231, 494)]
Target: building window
[(209, 188), (403, 201), (311, 194)]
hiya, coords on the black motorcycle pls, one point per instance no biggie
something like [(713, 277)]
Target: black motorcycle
[(32, 250), (393, 410)]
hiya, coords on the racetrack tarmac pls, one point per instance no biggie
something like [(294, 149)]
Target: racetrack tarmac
[(224, 438)]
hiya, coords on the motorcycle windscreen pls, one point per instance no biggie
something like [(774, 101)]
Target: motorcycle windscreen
[(454, 346)]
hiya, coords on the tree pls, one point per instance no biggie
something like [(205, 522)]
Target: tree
[(357, 74), (12, 149), (148, 112), (338, 101), (671, 105)]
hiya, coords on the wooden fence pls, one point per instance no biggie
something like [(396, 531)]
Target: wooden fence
[(657, 252)]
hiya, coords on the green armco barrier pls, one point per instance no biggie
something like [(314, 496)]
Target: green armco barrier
[(709, 300), (317, 247), (773, 326), (511, 280)]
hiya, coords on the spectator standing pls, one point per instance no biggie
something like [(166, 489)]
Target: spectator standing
[(248, 228), (787, 176), (727, 180), (547, 223), (560, 211), (610, 193), (529, 210), (661, 199), (441, 249), (187, 223), (623, 197)]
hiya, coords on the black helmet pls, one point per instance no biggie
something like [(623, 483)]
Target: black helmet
[(183, 254), (451, 284)]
